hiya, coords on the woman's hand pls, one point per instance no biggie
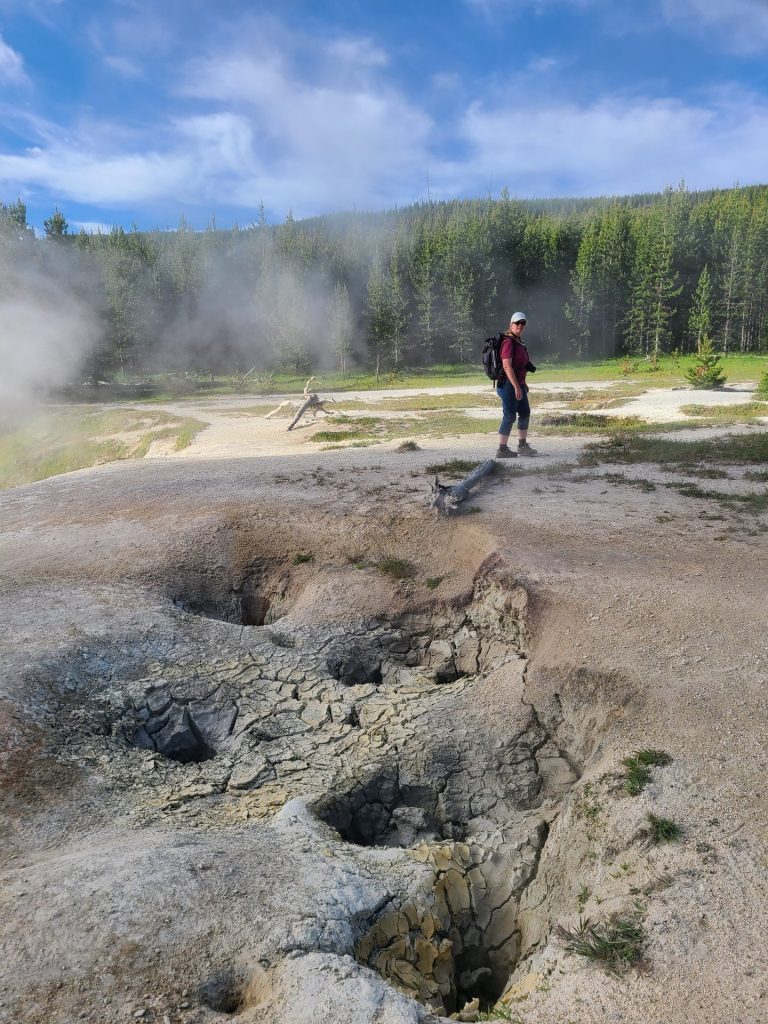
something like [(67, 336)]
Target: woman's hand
[(518, 393)]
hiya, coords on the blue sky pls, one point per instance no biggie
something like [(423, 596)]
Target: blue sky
[(130, 111)]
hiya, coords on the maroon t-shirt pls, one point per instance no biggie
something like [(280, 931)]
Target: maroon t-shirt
[(515, 350)]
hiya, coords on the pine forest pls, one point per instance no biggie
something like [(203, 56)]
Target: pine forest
[(642, 275)]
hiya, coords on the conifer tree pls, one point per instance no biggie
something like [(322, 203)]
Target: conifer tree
[(700, 318), (56, 225), (340, 326), (706, 374)]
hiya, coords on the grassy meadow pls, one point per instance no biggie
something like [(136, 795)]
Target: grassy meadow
[(64, 438)]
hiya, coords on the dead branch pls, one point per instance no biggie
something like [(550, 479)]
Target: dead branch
[(312, 403), (446, 498), (245, 378), (286, 408)]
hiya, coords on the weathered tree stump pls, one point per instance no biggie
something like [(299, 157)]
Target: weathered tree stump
[(446, 498)]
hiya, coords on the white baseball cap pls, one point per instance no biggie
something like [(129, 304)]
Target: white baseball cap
[(517, 317)]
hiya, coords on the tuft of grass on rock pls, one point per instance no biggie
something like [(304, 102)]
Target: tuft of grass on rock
[(498, 1012), (615, 944), (583, 897), (434, 582), (637, 768), (397, 568), (302, 558), (663, 830), (408, 446)]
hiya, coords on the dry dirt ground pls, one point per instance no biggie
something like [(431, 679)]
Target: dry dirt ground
[(248, 774)]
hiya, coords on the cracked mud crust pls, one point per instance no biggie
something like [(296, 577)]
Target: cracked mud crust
[(247, 775)]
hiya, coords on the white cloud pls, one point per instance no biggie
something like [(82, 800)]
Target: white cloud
[(322, 127), (124, 66), (274, 135), (493, 8), (739, 25), (91, 227), (358, 51), (326, 143), (614, 146), (542, 65), (87, 176), (11, 65)]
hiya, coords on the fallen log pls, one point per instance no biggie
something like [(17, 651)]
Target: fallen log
[(446, 498), (312, 402)]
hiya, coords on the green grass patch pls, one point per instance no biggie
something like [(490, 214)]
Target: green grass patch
[(583, 897), (352, 444), (434, 582), (408, 446), (303, 558), (498, 1012), (663, 830), (667, 372), (615, 944), (184, 432), (586, 422), (68, 439), (397, 568), (453, 468), (746, 412), (629, 481), (341, 435), (708, 472), (358, 421), (436, 403), (637, 768), (754, 502), (630, 448)]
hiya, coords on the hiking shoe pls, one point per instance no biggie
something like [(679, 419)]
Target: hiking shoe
[(503, 452), (523, 448)]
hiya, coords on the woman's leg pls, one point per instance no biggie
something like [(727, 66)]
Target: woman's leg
[(523, 417), (509, 412)]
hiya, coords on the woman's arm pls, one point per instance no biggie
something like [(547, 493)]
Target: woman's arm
[(508, 369)]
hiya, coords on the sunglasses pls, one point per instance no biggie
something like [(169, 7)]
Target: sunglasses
[(519, 323)]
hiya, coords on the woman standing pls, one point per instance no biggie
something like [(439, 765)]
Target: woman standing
[(513, 391)]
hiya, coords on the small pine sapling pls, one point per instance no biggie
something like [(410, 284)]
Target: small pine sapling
[(706, 374)]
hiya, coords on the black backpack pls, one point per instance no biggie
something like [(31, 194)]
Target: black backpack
[(492, 358)]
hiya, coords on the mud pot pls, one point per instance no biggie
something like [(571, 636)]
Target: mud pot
[(232, 708)]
